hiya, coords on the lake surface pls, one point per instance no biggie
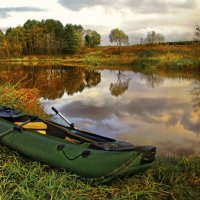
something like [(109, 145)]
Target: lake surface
[(160, 109)]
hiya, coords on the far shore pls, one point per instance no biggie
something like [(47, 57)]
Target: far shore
[(163, 56)]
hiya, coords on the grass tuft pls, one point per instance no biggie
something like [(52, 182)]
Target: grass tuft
[(91, 60), (21, 99), (183, 64), (145, 53), (144, 62)]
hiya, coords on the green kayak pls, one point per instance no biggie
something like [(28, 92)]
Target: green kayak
[(86, 154)]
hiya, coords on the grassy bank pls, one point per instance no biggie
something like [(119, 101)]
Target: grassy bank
[(171, 57), (165, 56), (23, 178), (22, 99), (169, 178)]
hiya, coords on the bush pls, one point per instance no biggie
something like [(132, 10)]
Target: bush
[(91, 60), (183, 64), (21, 99), (143, 62), (145, 53)]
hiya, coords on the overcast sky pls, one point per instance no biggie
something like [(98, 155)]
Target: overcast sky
[(175, 19)]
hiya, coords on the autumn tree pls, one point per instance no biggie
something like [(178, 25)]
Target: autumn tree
[(118, 36), (34, 37), (15, 38), (80, 35), (92, 38), (2, 38), (53, 35), (70, 39)]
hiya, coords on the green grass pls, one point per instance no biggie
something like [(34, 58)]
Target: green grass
[(145, 62), (169, 178), (183, 64), (91, 60), (145, 53)]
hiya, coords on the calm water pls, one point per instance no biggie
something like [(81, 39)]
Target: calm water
[(139, 108)]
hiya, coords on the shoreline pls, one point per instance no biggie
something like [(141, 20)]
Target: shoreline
[(163, 56)]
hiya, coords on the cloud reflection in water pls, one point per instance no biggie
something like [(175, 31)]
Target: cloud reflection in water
[(161, 115)]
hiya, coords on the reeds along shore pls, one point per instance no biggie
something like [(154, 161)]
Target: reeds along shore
[(22, 99)]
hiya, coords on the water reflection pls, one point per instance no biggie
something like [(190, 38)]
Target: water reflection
[(52, 81), (156, 109), (121, 85), (152, 79), (161, 115), (195, 94)]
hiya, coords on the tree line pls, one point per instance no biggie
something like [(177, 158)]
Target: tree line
[(153, 38), (46, 37), (50, 37)]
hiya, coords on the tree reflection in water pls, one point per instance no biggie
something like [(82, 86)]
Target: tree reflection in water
[(121, 85), (53, 81), (195, 94), (153, 80)]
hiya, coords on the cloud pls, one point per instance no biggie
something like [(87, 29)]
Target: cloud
[(4, 12), (4, 15), (141, 6), (76, 5), (147, 110), (160, 6), (174, 19)]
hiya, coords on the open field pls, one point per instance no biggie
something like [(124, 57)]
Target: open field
[(165, 56)]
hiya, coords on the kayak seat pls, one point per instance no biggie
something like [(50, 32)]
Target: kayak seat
[(40, 127)]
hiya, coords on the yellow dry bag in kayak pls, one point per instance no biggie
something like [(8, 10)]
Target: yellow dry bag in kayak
[(40, 127)]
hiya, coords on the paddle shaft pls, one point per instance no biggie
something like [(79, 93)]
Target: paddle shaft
[(73, 127), (72, 134), (16, 127), (64, 118)]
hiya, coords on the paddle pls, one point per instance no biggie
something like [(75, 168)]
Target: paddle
[(70, 133), (109, 145), (18, 127), (73, 127), (66, 120)]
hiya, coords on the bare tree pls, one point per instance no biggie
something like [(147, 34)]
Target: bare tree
[(154, 38), (197, 33)]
